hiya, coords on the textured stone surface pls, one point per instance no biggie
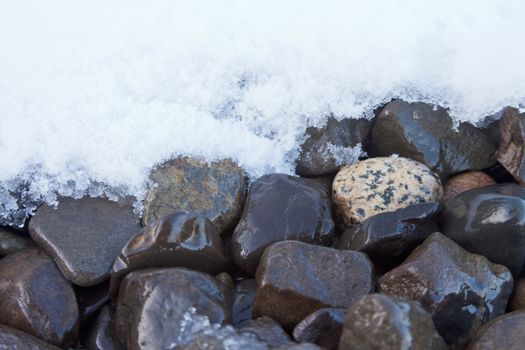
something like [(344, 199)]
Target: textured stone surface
[(12, 339), (243, 298), (327, 147), (511, 151), (462, 291), (377, 321), (152, 304), (380, 185), (505, 332), (268, 331), (35, 298), (517, 300), (490, 221), (84, 236), (215, 190), (389, 237), (103, 335), (323, 327), (178, 240), (280, 207), (12, 241), (426, 134), (465, 181), (295, 279)]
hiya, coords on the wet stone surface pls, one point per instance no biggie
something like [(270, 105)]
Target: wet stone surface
[(152, 305), (295, 279), (517, 300), (421, 132), (280, 207), (178, 240), (12, 241), (389, 237), (327, 148), (490, 221), (461, 291), (380, 185), (103, 335), (465, 181), (84, 236), (377, 321), (215, 190), (506, 332), (243, 298), (35, 298), (323, 327), (268, 331), (12, 339), (511, 151), (91, 299)]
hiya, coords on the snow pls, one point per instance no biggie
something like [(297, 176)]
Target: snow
[(95, 93)]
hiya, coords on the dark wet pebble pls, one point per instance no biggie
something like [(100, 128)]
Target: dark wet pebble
[(377, 321), (12, 241), (505, 332), (243, 298), (517, 300), (267, 330), (461, 291), (280, 207), (153, 305), (323, 327), (425, 133), (295, 279), (178, 240), (328, 147), (12, 339), (84, 236), (91, 299), (490, 221), (215, 190), (511, 151), (388, 238), (35, 298), (103, 334)]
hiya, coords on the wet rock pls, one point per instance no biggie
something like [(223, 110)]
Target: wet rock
[(35, 298), (12, 339), (215, 190), (377, 321), (421, 132), (12, 241), (153, 303), (91, 299), (178, 240), (267, 330), (323, 328), (517, 300), (511, 151), (295, 279), (505, 332), (380, 185), (389, 237), (243, 298), (465, 181), (84, 236), (280, 207), (490, 221), (462, 291), (327, 148), (103, 335)]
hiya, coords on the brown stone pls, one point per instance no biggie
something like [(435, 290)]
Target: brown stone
[(511, 151), (377, 321), (267, 330), (460, 290), (295, 279), (378, 185), (12, 339), (35, 298), (323, 327), (517, 300), (103, 335), (215, 190), (12, 241), (505, 332), (464, 182)]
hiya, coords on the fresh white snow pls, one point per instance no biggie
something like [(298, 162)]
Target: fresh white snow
[(94, 93)]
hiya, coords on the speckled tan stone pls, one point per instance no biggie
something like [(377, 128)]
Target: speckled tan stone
[(382, 184)]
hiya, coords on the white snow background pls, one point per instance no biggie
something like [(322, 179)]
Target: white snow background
[(95, 93)]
